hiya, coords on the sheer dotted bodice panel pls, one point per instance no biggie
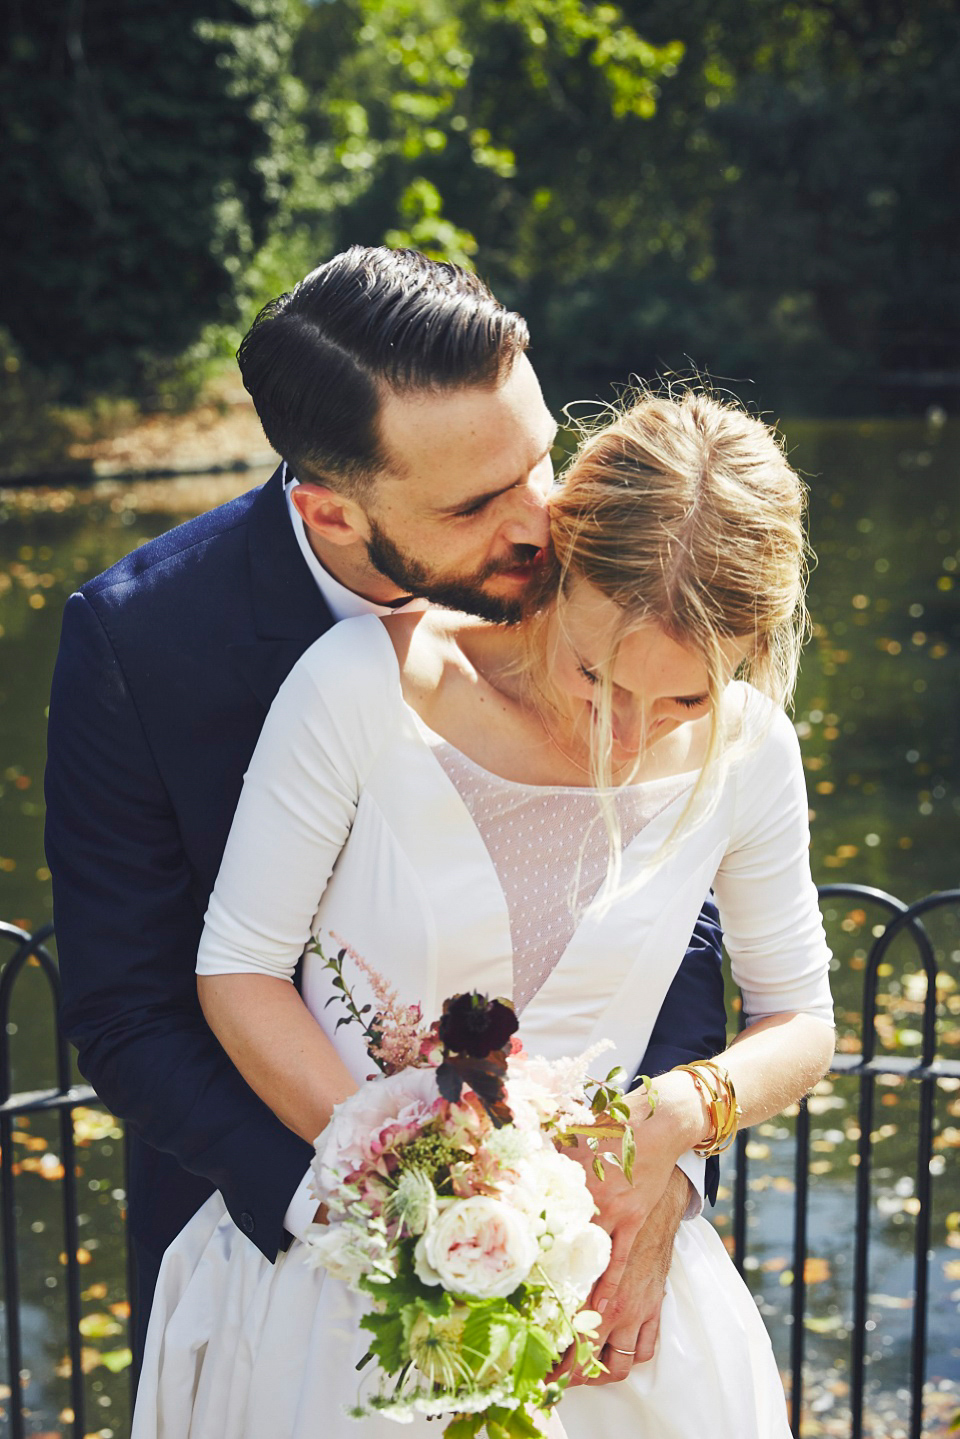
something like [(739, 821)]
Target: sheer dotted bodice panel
[(549, 848)]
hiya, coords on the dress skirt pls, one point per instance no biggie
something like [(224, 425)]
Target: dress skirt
[(239, 1348)]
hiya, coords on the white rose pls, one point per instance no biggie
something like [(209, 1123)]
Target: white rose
[(558, 1189), (478, 1246), (577, 1262)]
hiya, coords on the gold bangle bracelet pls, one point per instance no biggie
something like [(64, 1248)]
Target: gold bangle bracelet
[(715, 1088)]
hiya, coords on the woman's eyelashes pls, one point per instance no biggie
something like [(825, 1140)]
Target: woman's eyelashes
[(687, 702)]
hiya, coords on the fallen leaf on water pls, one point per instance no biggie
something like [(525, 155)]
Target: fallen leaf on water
[(99, 1326), (116, 1360), (89, 1360), (824, 1324), (815, 1271), (83, 1256)]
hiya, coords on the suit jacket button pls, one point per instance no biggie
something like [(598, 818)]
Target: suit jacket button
[(247, 1223)]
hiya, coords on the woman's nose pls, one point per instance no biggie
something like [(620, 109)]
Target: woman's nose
[(636, 724)]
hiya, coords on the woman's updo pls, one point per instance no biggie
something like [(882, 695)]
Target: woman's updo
[(685, 513)]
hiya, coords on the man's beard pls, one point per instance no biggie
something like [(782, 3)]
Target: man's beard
[(453, 592)]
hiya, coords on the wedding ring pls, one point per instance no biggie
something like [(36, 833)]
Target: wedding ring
[(620, 1351)]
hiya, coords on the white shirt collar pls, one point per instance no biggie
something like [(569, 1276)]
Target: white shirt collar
[(342, 603)]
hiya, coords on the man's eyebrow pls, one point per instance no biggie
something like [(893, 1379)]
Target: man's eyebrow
[(471, 502)]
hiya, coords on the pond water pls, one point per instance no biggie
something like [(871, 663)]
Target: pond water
[(879, 720)]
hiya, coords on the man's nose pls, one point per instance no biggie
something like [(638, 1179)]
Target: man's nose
[(528, 522)]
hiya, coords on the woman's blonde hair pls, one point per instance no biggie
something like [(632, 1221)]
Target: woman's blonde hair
[(684, 511)]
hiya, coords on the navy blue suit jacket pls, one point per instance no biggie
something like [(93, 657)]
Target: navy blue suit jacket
[(167, 665)]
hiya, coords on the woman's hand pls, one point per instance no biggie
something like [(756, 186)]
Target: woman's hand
[(772, 1064)]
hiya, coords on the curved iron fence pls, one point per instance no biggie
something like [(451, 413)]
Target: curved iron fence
[(899, 920)]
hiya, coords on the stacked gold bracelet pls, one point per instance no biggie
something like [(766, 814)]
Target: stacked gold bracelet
[(715, 1088)]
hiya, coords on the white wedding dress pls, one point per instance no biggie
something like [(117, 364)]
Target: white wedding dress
[(357, 821)]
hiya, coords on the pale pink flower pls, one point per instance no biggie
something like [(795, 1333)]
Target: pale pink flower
[(391, 1111), (403, 1037)]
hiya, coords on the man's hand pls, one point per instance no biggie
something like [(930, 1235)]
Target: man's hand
[(631, 1315)]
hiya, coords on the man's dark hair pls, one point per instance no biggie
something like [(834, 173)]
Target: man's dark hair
[(316, 360)]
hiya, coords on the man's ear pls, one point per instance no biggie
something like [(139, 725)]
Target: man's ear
[(331, 516)]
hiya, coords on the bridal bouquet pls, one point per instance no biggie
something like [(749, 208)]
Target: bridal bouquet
[(453, 1210)]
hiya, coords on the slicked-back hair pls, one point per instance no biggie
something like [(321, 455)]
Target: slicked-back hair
[(317, 361)]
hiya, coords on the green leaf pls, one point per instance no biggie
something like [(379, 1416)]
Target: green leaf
[(598, 1168), (536, 1356), (520, 1426), (629, 1152), (646, 1082), (406, 1288), (468, 1426), (388, 1344)]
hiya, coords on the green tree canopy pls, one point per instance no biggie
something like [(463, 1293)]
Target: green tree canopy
[(742, 184), (754, 187)]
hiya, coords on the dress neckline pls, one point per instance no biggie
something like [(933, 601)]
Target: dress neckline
[(427, 735), (669, 781)]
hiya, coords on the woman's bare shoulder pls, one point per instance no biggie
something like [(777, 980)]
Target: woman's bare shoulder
[(428, 646)]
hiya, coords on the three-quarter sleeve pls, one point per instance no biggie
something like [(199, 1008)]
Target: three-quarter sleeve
[(300, 794), (768, 901)]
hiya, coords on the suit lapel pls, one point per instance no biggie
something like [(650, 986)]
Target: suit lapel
[(289, 612)]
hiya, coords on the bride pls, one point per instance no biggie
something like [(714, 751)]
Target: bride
[(534, 811)]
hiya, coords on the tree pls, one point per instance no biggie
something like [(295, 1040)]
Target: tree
[(752, 187), (496, 132), (143, 160)]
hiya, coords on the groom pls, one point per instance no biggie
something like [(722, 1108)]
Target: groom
[(417, 466)]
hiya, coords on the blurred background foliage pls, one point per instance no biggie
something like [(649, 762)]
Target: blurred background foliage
[(747, 187)]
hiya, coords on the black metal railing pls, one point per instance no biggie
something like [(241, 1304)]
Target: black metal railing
[(900, 921), (62, 1099)]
